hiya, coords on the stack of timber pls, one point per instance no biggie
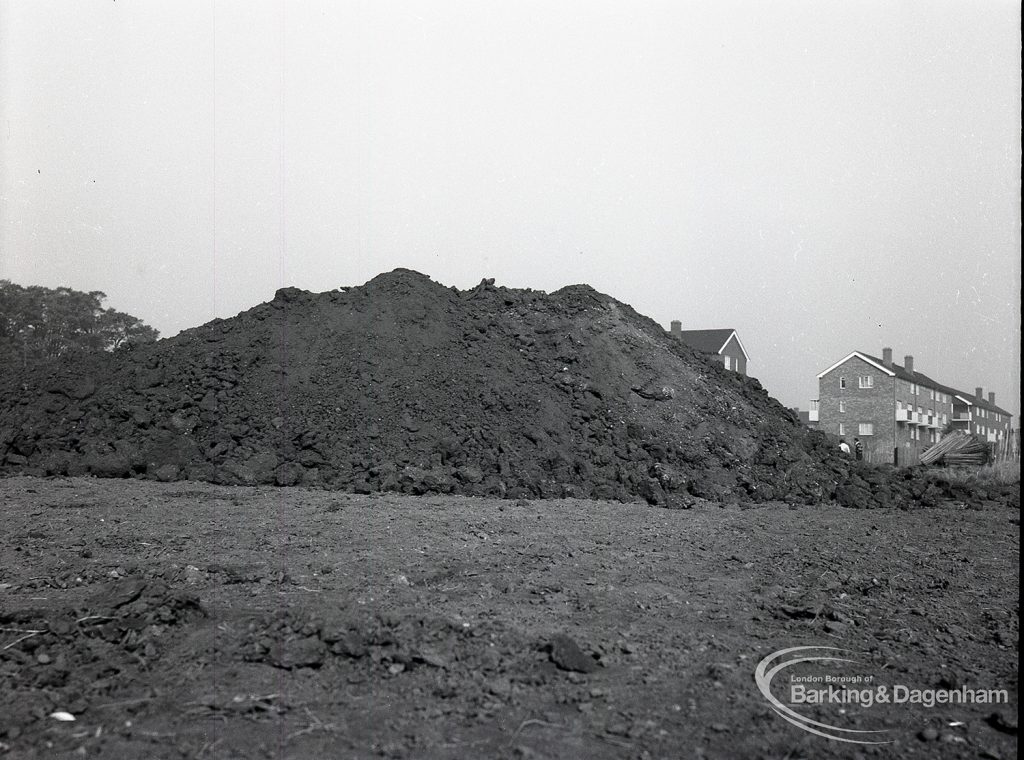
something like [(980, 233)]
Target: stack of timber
[(957, 449)]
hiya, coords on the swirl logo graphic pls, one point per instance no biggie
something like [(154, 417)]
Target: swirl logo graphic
[(778, 661)]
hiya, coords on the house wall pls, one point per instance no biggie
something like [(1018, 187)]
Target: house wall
[(872, 405), (738, 360), (962, 416), (991, 426), (906, 417), (932, 407)]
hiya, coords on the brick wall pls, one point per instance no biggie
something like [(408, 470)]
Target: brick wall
[(852, 406), (931, 405), (988, 424)]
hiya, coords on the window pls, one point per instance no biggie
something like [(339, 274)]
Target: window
[(866, 428), (842, 383), (866, 381), (842, 429), (931, 394), (931, 436), (842, 406)]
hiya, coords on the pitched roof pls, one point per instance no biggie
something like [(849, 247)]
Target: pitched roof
[(864, 357), (710, 341), (911, 376), (919, 378), (984, 403), (922, 379)]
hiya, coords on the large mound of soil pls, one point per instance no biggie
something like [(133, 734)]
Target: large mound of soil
[(405, 385)]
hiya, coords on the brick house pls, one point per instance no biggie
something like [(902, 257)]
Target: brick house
[(722, 345), (980, 416), (896, 411)]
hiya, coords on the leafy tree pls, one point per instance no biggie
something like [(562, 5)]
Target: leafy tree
[(38, 323)]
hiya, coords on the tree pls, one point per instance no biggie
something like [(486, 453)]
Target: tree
[(38, 323)]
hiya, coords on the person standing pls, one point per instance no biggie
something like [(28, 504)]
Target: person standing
[(858, 449)]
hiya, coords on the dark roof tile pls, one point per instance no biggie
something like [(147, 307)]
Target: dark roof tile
[(922, 379), (707, 341)]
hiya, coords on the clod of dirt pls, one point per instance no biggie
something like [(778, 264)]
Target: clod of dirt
[(567, 655), (1005, 723), (118, 593), (305, 652)]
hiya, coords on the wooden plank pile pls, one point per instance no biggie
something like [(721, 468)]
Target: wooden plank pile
[(957, 449)]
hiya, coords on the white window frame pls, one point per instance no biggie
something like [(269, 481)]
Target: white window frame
[(842, 406), (842, 383), (865, 381), (842, 429), (865, 428)]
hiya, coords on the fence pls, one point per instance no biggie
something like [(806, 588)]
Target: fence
[(1007, 449), (878, 452)]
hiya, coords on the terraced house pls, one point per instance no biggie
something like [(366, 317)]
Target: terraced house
[(898, 412), (980, 416)]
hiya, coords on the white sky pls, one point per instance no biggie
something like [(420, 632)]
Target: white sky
[(823, 176)]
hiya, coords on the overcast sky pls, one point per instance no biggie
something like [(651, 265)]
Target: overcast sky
[(823, 176)]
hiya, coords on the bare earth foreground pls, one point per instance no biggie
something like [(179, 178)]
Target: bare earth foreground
[(192, 620)]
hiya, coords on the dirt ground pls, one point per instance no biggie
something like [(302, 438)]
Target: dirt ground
[(192, 620)]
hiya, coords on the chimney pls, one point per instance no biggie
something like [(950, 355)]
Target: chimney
[(992, 398), (676, 327), (887, 357), (908, 363), (978, 393)]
